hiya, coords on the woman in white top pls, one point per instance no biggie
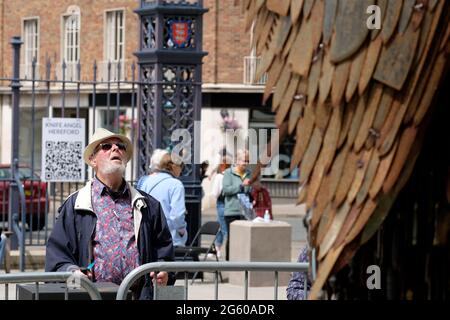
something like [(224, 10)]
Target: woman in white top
[(220, 204)]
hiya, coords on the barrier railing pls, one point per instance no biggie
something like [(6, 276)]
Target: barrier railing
[(38, 277), (60, 90), (215, 267), (251, 64), (2, 248), (20, 230)]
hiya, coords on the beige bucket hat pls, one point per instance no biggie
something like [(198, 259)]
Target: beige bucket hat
[(101, 135)]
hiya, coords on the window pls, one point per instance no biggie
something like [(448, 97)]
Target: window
[(31, 44), (265, 119), (71, 38), (108, 119), (114, 42), (71, 44), (251, 64), (114, 45)]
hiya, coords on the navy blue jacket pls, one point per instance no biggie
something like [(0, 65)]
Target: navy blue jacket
[(70, 243)]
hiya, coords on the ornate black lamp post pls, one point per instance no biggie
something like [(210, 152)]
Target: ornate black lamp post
[(170, 58)]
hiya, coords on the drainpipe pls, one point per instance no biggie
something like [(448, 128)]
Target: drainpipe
[(216, 43)]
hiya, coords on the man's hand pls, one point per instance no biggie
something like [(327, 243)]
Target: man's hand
[(246, 182), (162, 278), (79, 273), (87, 275)]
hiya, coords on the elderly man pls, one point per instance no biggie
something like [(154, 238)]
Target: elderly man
[(108, 225)]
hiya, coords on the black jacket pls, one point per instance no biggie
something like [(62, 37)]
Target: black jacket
[(70, 243)]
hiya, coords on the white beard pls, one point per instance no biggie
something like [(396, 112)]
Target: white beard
[(111, 168)]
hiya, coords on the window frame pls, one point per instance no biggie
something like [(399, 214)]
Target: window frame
[(25, 50), (106, 35), (65, 18), (71, 73)]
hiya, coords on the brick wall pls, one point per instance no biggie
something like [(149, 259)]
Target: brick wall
[(224, 37), (1, 38), (50, 13), (225, 61)]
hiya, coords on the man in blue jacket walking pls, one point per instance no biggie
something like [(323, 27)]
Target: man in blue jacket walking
[(108, 225)]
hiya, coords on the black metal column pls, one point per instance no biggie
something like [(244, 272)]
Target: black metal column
[(14, 197), (170, 58)]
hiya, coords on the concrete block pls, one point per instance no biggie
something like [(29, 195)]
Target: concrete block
[(263, 242), (34, 258)]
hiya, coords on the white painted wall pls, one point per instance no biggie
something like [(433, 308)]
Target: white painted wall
[(5, 130), (26, 125), (213, 139)]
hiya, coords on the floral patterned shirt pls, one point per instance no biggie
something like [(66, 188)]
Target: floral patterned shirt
[(115, 249), (296, 288)]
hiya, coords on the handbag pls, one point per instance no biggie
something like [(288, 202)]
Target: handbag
[(246, 206)]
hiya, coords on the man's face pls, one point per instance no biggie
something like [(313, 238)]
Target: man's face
[(109, 158)]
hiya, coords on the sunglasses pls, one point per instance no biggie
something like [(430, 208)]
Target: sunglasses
[(107, 146)]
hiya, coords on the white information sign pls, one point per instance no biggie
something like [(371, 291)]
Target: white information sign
[(63, 142)]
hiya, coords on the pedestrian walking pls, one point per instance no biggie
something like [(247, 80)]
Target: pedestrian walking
[(163, 184), (235, 180), (220, 203)]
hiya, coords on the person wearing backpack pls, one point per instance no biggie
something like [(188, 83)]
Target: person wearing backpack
[(163, 185)]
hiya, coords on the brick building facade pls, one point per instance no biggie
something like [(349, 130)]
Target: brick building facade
[(225, 41), (223, 36), (108, 30), (50, 17)]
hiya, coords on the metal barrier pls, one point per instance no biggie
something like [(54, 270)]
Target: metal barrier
[(211, 267), (251, 64), (2, 247), (52, 90), (19, 229), (38, 277)]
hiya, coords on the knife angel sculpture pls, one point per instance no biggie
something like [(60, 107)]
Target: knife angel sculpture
[(357, 101)]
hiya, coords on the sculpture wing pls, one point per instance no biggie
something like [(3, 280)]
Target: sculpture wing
[(356, 100)]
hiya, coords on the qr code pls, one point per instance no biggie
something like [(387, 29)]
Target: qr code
[(63, 161)]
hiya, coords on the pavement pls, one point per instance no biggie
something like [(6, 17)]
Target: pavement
[(283, 210), (205, 291)]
